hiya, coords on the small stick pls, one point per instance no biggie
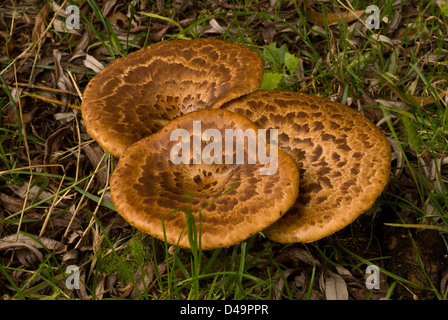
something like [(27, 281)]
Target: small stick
[(40, 87)]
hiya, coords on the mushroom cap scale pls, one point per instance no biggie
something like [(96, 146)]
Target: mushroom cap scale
[(344, 160), (139, 94), (234, 200)]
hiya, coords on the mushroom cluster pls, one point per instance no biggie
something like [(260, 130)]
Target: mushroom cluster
[(331, 165)]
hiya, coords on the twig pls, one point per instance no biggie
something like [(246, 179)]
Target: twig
[(41, 87), (26, 53)]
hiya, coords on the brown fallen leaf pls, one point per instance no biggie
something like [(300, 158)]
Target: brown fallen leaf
[(33, 192), (31, 240), (95, 155), (334, 18), (27, 248), (118, 20), (83, 42), (279, 285), (334, 286)]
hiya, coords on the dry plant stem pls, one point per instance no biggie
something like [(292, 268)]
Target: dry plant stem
[(82, 199), (25, 141), (54, 101), (39, 47)]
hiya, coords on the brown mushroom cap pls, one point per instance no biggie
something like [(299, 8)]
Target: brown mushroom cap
[(139, 94), (344, 160), (235, 201)]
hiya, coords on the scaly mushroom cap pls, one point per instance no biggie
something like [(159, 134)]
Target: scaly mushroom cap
[(236, 200), (139, 94), (344, 160)]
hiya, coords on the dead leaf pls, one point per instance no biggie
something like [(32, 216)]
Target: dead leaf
[(60, 26), (33, 193), (279, 285), (395, 22), (99, 290), (62, 81), (383, 39), (2, 216), (343, 271), (92, 63), (215, 27), (156, 36), (335, 287), (411, 99), (64, 117), (83, 43), (70, 256), (269, 32), (11, 117), (95, 155), (444, 283)]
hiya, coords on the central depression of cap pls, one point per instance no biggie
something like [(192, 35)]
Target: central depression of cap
[(234, 200), (139, 94)]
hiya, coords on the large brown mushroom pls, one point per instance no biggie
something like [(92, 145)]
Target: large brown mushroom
[(231, 200), (141, 93), (344, 160)]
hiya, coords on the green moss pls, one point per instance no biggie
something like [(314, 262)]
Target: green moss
[(444, 8)]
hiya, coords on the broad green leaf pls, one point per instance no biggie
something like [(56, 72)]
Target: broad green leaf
[(275, 55)]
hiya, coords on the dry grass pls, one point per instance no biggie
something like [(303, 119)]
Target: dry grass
[(55, 208)]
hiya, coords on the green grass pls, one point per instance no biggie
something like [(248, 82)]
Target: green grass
[(345, 62)]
